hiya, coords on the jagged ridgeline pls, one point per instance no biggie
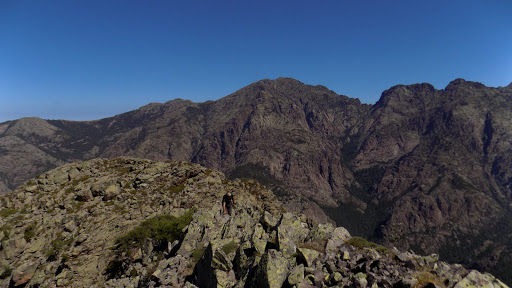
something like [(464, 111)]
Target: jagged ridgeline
[(136, 223)]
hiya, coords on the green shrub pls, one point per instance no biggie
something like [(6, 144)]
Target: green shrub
[(176, 189), (160, 229), (65, 258), (56, 246), (6, 212), (30, 232), (51, 255), (362, 243), (6, 229), (425, 278), (116, 268), (6, 272)]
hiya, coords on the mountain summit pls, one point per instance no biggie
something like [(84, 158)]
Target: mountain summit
[(422, 169)]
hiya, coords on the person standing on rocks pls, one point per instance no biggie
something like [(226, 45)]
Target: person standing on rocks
[(228, 202)]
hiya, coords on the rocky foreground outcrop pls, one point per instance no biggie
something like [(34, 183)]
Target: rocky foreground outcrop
[(136, 223)]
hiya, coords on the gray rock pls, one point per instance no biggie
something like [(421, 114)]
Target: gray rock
[(24, 273), (360, 280), (272, 270), (307, 256), (268, 221), (296, 275)]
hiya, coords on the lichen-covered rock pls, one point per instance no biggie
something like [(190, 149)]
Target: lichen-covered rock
[(320, 232), (475, 279), (57, 235), (307, 256), (24, 273), (286, 244), (259, 239), (296, 275), (268, 221), (360, 280), (272, 270), (339, 236)]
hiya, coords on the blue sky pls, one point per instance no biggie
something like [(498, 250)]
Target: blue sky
[(83, 60)]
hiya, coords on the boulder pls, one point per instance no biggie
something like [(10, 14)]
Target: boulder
[(285, 240), (111, 192), (259, 239), (214, 269), (24, 273), (360, 280), (268, 221), (31, 188), (406, 283), (272, 270), (225, 278), (321, 232), (60, 177), (221, 261), (204, 272), (476, 279), (296, 275), (339, 236), (307, 256), (99, 187)]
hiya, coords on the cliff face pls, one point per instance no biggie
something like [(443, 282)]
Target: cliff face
[(130, 222), (422, 168), (443, 159)]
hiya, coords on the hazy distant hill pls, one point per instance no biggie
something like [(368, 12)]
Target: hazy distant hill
[(423, 168)]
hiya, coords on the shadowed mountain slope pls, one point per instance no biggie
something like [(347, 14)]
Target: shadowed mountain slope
[(422, 168)]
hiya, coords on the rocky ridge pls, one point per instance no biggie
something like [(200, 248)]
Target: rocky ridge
[(422, 169), (87, 225)]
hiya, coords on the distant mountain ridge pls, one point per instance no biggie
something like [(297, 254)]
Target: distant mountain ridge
[(423, 168)]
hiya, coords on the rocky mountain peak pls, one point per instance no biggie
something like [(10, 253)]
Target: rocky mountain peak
[(407, 97), (130, 222), (31, 126), (461, 83), (283, 89)]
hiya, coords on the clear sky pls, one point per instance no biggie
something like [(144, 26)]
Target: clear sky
[(89, 59)]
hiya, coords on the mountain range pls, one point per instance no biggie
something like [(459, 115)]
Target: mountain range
[(422, 169)]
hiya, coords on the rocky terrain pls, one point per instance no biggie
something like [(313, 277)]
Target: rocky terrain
[(422, 169), (129, 222)]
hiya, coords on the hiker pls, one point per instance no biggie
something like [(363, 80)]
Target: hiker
[(228, 202)]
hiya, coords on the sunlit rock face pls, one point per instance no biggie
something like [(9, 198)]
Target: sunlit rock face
[(422, 169)]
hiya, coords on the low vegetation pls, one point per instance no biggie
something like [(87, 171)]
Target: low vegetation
[(6, 272), (362, 243), (30, 232), (196, 255), (6, 212), (158, 231)]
